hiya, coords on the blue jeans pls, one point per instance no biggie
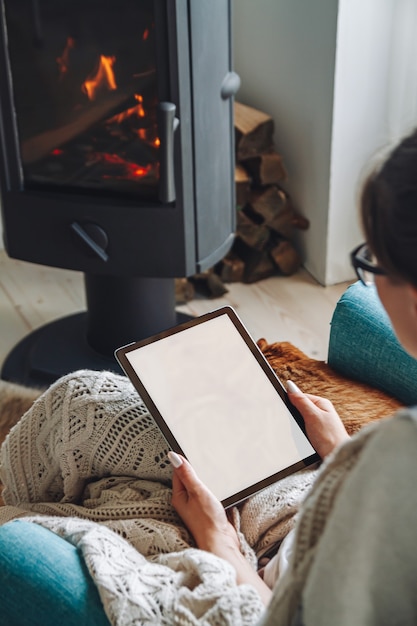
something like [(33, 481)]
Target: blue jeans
[(44, 580)]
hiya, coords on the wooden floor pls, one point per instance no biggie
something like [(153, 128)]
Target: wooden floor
[(295, 309)]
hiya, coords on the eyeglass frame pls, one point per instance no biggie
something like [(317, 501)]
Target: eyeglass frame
[(359, 263)]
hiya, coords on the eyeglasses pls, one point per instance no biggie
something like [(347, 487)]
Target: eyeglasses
[(365, 265)]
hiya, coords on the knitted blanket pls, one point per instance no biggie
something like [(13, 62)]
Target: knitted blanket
[(88, 462)]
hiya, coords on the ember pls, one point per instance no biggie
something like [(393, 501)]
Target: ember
[(124, 170)]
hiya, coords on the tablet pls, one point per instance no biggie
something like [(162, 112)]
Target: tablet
[(219, 403)]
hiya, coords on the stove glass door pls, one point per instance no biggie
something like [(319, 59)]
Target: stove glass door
[(84, 81)]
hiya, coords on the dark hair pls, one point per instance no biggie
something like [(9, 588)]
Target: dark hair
[(389, 212)]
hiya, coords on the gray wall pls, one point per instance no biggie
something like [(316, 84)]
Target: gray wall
[(285, 55)]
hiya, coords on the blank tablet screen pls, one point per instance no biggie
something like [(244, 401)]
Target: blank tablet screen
[(217, 403)]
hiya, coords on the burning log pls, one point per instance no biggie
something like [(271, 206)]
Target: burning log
[(40, 146), (112, 102)]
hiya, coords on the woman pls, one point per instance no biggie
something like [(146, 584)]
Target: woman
[(357, 563), (352, 554)]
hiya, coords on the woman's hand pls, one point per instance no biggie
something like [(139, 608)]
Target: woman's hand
[(199, 509), (207, 521), (324, 427)]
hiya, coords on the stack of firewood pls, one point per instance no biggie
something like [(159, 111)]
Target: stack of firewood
[(266, 219)]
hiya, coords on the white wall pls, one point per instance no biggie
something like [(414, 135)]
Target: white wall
[(339, 78), (375, 104), (360, 120)]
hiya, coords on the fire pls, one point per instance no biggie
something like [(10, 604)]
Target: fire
[(142, 171), (143, 134), (138, 123), (126, 169), (137, 111), (63, 60), (139, 107), (104, 77)]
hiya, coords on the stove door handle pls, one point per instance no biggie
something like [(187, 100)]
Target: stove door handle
[(95, 239), (167, 125)]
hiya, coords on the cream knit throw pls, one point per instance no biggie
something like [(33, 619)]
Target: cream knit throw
[(88, 451)]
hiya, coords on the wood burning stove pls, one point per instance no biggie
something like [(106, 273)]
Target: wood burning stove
[(116, 159)]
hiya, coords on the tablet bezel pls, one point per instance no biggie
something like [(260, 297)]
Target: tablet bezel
[(121, 356)]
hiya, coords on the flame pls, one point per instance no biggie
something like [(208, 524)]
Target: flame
[(113, 166), (137, 111), (139, 107), (104, 77), (144, 133), (63, 60)]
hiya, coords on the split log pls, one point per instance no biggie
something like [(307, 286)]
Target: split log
[(288, 221), (254, 235), (209, 284), (258, 265), (242, 185), (184, 291), (268, 203), (267, 168), (286, 257), (277, 212), (231, 269), (253, 131)]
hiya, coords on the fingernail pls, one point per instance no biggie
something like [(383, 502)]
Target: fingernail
[(292, 388), (175, 460)]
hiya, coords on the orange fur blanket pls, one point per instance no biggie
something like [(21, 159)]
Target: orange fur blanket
[(356, 402)]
